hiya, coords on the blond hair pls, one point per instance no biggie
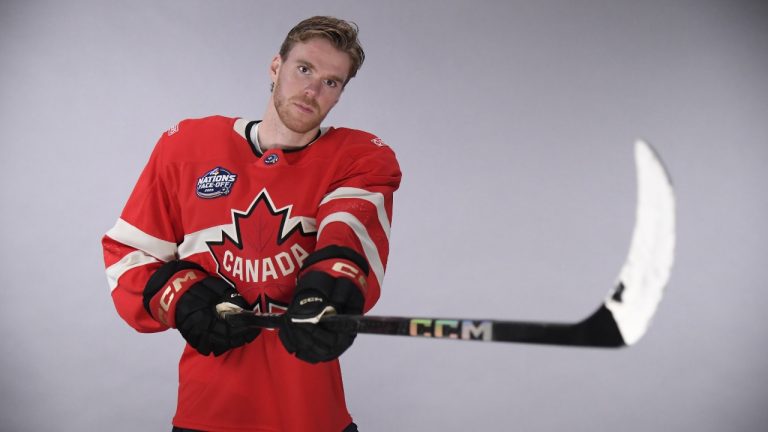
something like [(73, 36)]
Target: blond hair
[(340, 33)]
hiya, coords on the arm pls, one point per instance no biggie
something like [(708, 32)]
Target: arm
[(346, 270), (143, 238), (152, 289)]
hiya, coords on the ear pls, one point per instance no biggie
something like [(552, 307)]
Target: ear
[(274, 67)]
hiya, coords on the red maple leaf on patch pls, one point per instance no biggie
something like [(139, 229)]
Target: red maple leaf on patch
[(263, 257)]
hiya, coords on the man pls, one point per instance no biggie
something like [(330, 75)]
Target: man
[(277, 215)]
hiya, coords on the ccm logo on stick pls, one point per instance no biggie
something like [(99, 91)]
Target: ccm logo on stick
[(451, 329)]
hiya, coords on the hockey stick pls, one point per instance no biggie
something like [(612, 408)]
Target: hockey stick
[(622, 318)]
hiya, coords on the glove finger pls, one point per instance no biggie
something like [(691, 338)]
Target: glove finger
[(341, 342), (203, 345), (301, 335), (241, 336), (344, 342), (319, 346), (324, 339), (287, 340), (198, 320), (192, 333), (219, 350)]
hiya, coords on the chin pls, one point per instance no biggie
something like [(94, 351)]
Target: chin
[(301, 126)]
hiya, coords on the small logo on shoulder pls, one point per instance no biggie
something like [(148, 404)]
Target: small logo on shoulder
[(173, 129), (379, 142), (271, 159), (215, 183)]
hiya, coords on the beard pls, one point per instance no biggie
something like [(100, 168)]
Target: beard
[(291, 117)]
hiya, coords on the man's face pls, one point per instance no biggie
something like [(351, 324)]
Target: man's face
[(308, 83)]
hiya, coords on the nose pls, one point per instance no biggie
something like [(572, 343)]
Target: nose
[(312, 88)]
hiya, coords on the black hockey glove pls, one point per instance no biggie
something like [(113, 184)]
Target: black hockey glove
[(330, 277), (180, 294)]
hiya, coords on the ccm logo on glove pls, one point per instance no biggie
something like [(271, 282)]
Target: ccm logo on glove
[(163, 305), (351, 271), (310, 300)]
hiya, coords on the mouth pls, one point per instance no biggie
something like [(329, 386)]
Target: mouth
[(304, 107)]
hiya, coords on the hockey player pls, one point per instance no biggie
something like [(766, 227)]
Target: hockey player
[(277, 215)]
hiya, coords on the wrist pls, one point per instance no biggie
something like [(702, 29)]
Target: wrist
[(338, 268), (338, 262), (167, 285)]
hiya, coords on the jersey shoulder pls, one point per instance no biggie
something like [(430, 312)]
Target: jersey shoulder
[(357, 143), (360, 153), (195, 126), (190, 136)]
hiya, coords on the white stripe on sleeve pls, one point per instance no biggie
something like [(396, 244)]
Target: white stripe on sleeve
[(369, 247), (374, 198), (132, 260), (129, 235)]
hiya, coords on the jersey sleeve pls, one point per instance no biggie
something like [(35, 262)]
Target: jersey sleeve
[(357, 213), (144, 237)]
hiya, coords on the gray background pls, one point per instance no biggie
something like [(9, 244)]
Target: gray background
[(513, 123)]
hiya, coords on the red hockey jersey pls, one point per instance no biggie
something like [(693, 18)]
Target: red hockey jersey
[(208, 195)]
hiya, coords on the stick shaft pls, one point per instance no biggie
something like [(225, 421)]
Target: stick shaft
[(599, 330)]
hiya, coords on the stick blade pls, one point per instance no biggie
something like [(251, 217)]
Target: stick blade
[(646, 271)]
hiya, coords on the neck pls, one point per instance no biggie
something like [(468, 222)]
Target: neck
[(274, 134)]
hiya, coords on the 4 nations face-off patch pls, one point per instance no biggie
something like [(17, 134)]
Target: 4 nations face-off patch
[(215, 183)]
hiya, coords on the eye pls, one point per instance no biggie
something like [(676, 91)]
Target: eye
[(331, 83), (303, 69)]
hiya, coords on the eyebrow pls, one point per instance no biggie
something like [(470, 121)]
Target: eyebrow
[(312, 66)]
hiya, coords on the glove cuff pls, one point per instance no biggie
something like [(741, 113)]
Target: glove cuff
[(337, 253), (338, 262), (162, 305), (338, 270)]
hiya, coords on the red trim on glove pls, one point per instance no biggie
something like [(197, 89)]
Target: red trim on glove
[(341, 268), (163, 304)]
